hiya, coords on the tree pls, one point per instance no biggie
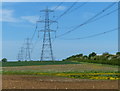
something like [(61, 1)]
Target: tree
[(92, 54), (4, 60), (85, 57), (118, 53), (19, 60), (105, 54), (79, 55)]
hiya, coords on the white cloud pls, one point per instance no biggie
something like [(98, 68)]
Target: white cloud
[(58, 8), (31, 19), (7, 16)]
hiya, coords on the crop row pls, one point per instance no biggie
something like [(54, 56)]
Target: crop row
[(97, 76)]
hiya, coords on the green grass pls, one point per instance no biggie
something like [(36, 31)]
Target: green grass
[(31, 63), (117, 66)]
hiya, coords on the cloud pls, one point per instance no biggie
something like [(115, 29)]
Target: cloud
[(31, 19), (7, 16), (58, 8)]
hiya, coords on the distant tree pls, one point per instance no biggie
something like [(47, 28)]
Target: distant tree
[(118, 53), (85, 57), (92, 54), (105, 54), (4, 60), (19, 60), (80, 55)]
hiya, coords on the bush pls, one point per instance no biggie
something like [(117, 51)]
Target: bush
[(4, 60), (118, 53), (105, 58)]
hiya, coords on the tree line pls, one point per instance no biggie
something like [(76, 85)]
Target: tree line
[(105, 58)]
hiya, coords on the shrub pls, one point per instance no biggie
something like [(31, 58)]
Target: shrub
[(4, 60)]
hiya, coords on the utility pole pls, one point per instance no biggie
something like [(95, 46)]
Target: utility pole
[(18, 57), (28, 55), (20, 54), (47, 52)]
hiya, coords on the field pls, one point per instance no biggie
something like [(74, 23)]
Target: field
[(48, 82), (59, 75), (29, 63)]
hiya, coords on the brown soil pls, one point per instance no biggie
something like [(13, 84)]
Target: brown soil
[(47, 82)]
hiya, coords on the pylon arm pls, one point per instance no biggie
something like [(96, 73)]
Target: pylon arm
[(47, 10), (50, 21), (47, 30)]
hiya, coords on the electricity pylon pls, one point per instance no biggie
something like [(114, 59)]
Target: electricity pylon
[(20, 54), (28, 52), (47, 52)]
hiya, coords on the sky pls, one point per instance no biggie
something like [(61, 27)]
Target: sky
[(19, 22)]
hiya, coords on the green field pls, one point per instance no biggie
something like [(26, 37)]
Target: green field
[(31, 63)]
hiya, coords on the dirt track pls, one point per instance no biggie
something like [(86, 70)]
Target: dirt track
[(46, 82)]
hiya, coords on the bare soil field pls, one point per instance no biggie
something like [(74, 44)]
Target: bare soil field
[(47, 82)]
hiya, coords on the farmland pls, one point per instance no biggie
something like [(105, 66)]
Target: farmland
[(29, 63), (60, 75)]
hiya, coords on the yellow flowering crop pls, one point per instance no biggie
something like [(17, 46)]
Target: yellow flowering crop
[(98, 76)]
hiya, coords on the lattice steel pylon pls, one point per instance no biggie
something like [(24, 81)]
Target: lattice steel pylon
[(47, 52), (20, 54), (28, 52)]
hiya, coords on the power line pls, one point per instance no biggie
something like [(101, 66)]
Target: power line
[(32, 49), (36, 26), (72, 10), (94, 35), (89, 20), (67, 10), (34, 32), (58, 6), (97, 18), (78, 7), (105, 15)]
